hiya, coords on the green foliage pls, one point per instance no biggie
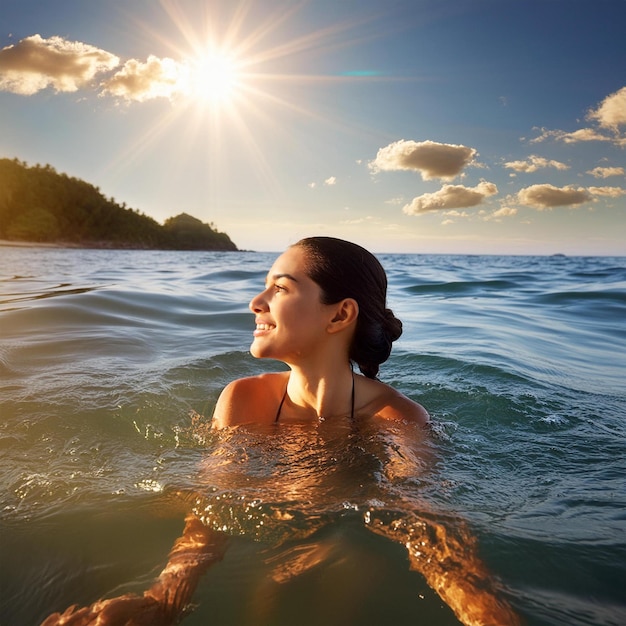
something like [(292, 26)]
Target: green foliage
[(39, 205), (34, 225), (191, 234)]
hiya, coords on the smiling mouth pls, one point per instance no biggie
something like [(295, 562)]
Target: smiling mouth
[(261, 328)]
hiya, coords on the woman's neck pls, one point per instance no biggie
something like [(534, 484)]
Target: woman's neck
[(328, 393)]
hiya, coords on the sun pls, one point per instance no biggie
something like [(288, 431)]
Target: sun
[(213, 78)]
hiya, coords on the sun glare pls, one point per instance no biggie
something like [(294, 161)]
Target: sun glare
[(213, 78), (234, 74)]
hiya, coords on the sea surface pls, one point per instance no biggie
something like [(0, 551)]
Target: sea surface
[(110, 366)]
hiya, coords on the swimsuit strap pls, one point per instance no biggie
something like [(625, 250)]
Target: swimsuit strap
[(280, 406), (352, 408)]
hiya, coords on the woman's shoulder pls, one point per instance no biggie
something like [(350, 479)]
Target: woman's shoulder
[(383, 401), (250, 399), (260, 383)]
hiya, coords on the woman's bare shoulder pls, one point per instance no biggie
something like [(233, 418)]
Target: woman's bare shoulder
[(251, 399), (386, 402), (402, 408), (259, 383)]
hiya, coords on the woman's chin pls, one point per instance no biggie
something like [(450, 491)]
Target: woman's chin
[(258, 351)]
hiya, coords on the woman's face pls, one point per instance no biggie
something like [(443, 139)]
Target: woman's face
[(290, 318)]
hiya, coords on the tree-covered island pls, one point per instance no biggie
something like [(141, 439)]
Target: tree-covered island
[(39, 205)]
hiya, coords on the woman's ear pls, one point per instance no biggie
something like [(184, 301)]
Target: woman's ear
[(346, 313)]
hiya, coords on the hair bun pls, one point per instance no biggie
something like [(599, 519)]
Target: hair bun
[(392, 325)]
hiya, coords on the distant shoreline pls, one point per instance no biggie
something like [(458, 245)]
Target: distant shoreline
[(98, 245), (7, 243), (107, 245)]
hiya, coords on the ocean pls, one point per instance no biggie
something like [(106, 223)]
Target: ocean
[(110, 365)]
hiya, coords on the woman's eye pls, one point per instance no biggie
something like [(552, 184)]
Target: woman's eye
[(278, 287)]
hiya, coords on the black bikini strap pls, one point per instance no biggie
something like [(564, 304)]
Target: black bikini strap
[(280, 406), (352, 409)]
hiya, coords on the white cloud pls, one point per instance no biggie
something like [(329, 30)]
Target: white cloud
[(534, 163), (612, 110), (605, 172), (609, 115), (451, 197), (583, 134), (332, 180), (312, 185), (35, 63), (395, 201), (611, 192), (547, 196), (455, 213), (431, 159), (137, 81), (503, 212)]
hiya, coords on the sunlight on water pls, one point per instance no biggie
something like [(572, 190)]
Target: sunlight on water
[(110, 365)]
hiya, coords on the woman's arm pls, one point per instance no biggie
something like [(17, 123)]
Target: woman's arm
[(440, 545), (162, 604), (450, 564), (192, 554)]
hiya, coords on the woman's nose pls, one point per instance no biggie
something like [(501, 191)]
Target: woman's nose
[(258, 304)]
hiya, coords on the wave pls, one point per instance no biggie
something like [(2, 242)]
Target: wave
[(111, 364), (461, 288)]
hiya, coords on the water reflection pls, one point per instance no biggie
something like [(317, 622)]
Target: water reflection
[(62, 289)]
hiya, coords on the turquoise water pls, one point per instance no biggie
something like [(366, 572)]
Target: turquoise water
[(110, 365)]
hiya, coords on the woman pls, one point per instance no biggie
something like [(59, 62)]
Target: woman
[(323, 310)]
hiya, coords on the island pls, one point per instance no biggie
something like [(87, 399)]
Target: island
[(41, 206)]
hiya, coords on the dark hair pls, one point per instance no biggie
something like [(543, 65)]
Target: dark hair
[(345, 270)]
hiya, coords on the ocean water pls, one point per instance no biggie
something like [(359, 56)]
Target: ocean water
[(111, 363)]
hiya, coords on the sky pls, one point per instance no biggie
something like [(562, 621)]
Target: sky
[(417, 126)]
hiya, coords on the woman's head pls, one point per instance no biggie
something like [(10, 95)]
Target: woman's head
[(345, 270)]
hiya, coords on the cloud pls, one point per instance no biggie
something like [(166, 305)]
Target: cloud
[(451, 197), (547, 196), (611, 192), (332, 180), (503, 212), (395, 201), (137, 81), (583, 134), (35, 63), (455, 213), (609, 115), (533, 163), (431, 159), (605, 172), (612, 111)]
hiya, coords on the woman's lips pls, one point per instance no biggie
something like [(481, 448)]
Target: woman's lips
[(262, 328)]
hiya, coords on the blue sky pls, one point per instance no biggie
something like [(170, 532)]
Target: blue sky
[(436, 126)]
